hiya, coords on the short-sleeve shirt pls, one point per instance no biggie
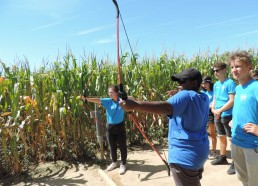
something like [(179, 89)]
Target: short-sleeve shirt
[(209, 94), (187, 137), (245, 110), (114, 112), (222, 90)]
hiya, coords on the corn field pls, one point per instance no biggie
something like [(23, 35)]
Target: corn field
[(43, 117)]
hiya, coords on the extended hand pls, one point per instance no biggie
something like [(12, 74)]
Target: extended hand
[(171, 92), (84, 99), (128, 104)]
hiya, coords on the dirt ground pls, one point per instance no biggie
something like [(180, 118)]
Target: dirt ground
[(144, 168), (58, 174)]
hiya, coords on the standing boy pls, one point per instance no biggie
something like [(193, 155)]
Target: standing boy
[(223, 100), (245, 119)]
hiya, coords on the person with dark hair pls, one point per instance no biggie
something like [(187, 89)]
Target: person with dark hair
[(116, 132), (245, 119), (207, 88), (222, 105), (187, 112)]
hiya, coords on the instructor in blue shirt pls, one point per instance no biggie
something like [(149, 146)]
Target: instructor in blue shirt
[(187, 112)]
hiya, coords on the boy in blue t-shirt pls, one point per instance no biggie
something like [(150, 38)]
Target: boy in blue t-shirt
[(245, 119), (223, 100)]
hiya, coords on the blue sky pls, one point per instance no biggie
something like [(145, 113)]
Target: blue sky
[(43, 30)]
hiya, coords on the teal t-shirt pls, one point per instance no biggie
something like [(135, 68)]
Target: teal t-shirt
[(245, 110), (222, 90), (209, 94), (114, 112)]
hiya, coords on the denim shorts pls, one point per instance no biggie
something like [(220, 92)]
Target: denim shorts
[(210, 118), (222, 126)]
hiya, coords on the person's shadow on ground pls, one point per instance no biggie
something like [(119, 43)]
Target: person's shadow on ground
[(48, 176), (140, 166)]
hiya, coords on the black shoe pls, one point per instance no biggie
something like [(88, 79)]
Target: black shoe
[(220, 160), (231, 169)]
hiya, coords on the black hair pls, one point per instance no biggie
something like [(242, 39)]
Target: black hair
[(114, 87), (208, 80)]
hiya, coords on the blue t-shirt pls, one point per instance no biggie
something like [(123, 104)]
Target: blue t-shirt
[(187, 137), (245, 110), (114, 112), (209, 94), (221, 92)]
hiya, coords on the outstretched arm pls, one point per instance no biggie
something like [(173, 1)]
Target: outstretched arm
[(93, 100), (154, 107)]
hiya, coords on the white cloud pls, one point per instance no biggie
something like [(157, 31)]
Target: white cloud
[(46, 26), (246, 33), (225, 22), (89, 31), (93, 30), (104, 41), (217, 23)]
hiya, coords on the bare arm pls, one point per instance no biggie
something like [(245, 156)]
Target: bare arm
[(229, 104), (230, 123), (154, 107), (93, 100), (213, 104)]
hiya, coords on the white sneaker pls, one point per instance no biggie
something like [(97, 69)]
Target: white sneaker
[(122, 169), (212, 155), (112, 166)]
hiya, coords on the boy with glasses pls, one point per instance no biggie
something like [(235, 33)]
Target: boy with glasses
[(223, 100), (245, 119)]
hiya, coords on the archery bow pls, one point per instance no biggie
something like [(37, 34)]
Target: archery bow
[(122, 93)]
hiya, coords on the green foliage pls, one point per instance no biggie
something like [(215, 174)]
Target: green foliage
[(43, 117)]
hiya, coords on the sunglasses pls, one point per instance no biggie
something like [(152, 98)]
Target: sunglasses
[(216, 70)]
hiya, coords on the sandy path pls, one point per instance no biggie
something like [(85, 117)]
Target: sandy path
[(145, 168)]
